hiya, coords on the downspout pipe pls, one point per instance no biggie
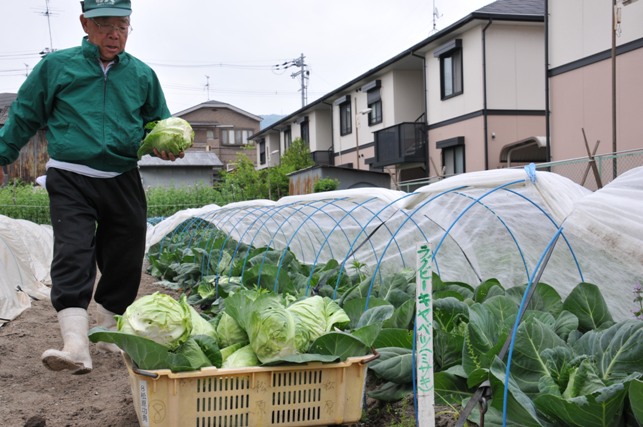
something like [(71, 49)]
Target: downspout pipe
[(484, 94), (426, 110), (331, 154)]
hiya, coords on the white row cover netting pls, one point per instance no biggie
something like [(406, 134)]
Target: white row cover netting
[(492, 224), (25, 257), (482, 225)]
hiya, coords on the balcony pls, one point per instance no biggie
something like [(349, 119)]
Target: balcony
[(322, 158), (402, 143)]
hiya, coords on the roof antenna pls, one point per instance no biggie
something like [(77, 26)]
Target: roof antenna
[(48, 14), (436, 16)]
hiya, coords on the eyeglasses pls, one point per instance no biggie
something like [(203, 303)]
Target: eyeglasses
[(109, 28)]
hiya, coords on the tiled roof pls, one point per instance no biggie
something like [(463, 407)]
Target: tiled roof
[(514, 7)]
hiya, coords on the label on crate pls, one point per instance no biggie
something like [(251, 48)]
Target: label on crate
[(144, 399)]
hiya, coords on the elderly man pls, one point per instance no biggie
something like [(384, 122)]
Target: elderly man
[(94, 100)]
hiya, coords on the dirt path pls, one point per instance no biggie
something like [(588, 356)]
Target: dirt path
[(32, 396)]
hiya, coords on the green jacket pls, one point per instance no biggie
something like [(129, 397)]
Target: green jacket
[(91, 119)]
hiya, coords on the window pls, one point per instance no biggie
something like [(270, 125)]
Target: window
[(452, 155), (287, 138), (305, 134), (450, 55), (374, 102), (345, 118), (375, 115), (235, 136), (262, 152)]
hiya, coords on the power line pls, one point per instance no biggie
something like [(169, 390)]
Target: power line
[(219, 65), (302, 73)]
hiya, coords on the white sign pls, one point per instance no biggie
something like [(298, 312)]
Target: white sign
[(424, 337)]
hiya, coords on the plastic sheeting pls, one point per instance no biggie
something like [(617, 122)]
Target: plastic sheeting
[(482, 225), (25, 257), (492, 224)]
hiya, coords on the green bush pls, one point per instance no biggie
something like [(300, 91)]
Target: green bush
[(325, 184)]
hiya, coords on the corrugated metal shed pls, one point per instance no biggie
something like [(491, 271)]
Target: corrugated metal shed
[(195, 168), (191, 158)]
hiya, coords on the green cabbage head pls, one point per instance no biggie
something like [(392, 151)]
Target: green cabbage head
[(172, 135), (200, 326), (241, 358), (158, 317), (271, 330), (314, 316), (229, 332)]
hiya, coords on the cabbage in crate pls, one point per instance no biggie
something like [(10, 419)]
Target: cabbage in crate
[(172, 135)]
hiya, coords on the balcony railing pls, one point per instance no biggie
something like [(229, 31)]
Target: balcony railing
[(402, 143), (322, 158)]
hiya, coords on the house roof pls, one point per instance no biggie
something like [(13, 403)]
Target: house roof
[(191, 159), (505, 10), (5, 101), (218, 104), (516, 8)]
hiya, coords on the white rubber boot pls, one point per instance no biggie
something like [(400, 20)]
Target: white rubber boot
[(106, 320), (74, 325)]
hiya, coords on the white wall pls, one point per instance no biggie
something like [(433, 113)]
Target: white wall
[(581, 28), (516, 72), (471, 98)]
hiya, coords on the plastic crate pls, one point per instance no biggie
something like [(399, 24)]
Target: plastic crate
[(313, 394)]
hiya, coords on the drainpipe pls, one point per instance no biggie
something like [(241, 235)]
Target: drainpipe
[(484, 94), (426, 111), (547, 129), (331, 156)]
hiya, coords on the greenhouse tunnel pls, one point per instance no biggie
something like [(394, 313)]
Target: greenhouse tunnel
[(493, 224), (481, 225)]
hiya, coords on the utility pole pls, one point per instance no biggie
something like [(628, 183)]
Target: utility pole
[(616, 21), (302, 74)]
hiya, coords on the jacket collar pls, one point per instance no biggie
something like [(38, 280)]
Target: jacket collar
[(90, 51)]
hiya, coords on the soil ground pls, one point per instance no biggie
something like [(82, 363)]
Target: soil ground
[(32, 396)]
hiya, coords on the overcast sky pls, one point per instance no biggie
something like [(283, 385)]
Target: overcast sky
[(236, 43)]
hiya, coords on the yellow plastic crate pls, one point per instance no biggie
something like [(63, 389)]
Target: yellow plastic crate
[(313, 394)]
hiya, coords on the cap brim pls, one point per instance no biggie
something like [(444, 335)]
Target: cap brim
[(107, 11)]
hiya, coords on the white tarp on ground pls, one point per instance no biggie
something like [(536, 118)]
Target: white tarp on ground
[(482, 225)]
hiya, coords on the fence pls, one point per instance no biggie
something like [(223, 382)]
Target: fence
[(590, 174)]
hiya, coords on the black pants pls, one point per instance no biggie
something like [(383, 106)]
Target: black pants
[(97, 222)]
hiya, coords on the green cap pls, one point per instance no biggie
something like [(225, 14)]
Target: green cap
[(96, 8)]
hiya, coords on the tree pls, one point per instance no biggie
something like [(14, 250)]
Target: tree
[(245, 182), (295, 158)]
